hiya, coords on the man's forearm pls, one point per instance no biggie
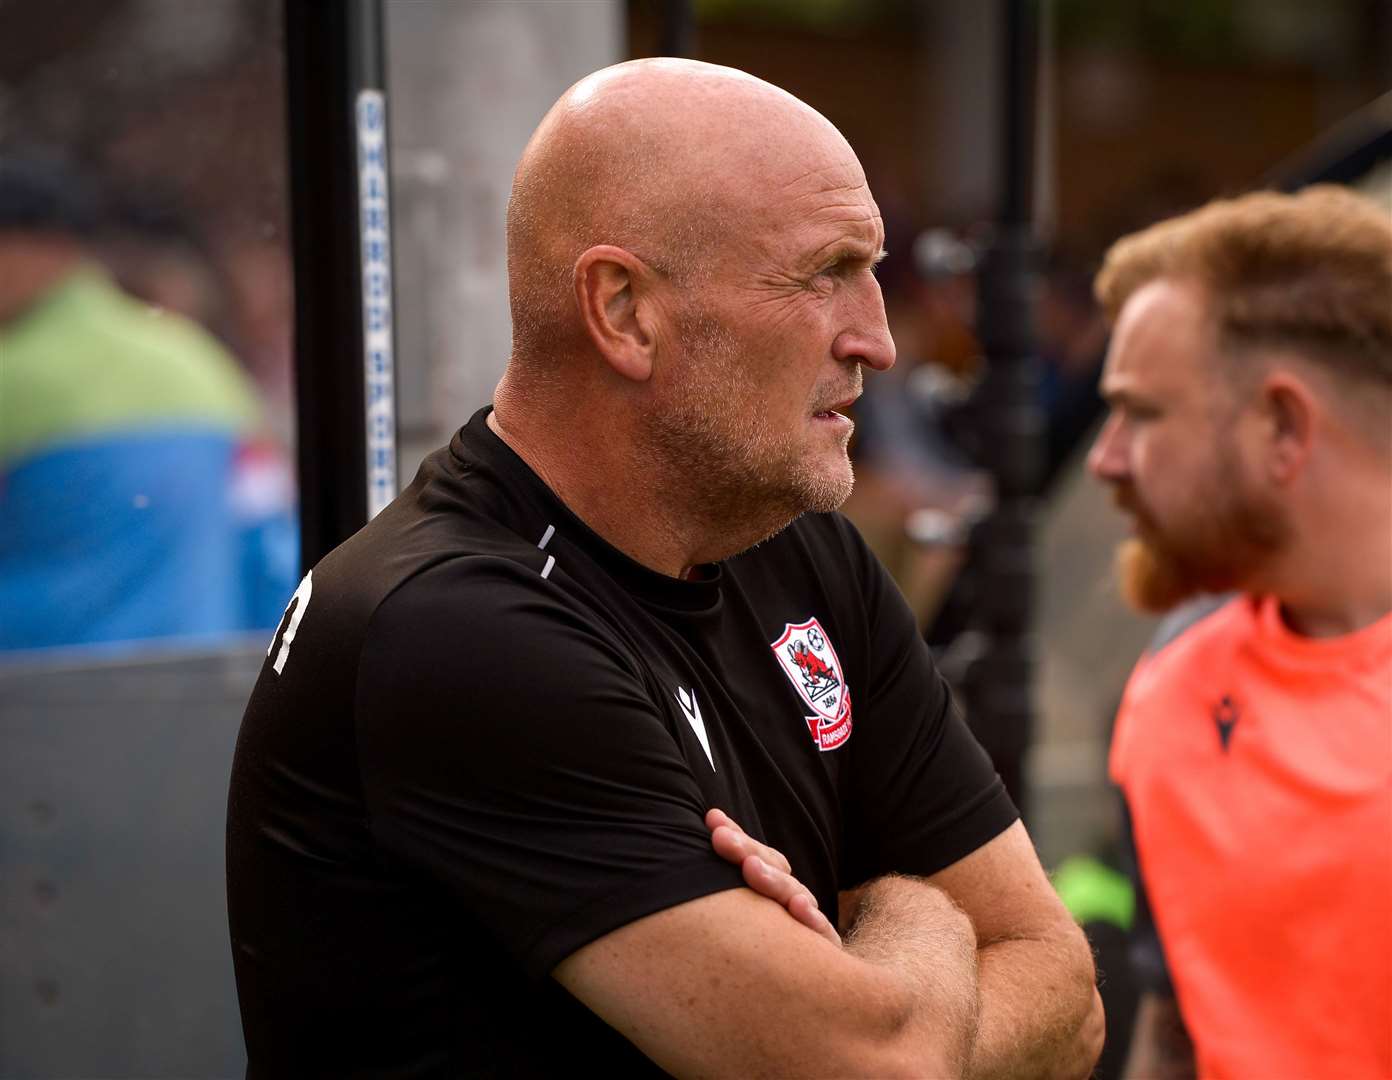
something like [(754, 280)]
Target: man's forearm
[(1038, 1011), (914, 929), (1040, 1014), (1023, 1004)]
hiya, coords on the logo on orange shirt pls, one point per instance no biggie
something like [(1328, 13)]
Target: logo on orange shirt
[(1226, 714)]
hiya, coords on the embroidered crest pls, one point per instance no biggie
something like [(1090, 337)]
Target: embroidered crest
[(810, 662)]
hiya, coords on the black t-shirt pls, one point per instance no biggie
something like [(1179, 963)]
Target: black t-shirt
[(483, 737)]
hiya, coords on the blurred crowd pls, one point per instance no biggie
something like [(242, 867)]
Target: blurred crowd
[(144, 493)]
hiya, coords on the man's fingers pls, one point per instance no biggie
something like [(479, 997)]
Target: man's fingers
[(768, 873), (734, 845), (804, 908), (789, 892), (731, 844), (774, 884)]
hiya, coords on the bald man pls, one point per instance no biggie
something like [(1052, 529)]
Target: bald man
[(557, 764)]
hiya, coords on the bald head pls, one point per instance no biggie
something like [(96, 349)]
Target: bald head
[(664, 158)]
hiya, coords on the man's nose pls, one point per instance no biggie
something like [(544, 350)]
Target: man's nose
[(867, 339), (873, 349), (1107, 458)]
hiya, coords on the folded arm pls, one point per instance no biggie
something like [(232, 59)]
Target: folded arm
[(729, 984), (1040, 1014)]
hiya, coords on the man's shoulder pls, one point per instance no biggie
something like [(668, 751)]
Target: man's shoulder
[(441, 535), (492, 591), (1177, 688), (1195, 639), (446, 513), (1191, 653)]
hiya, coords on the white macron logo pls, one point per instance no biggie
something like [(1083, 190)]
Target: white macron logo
[(687, 700)]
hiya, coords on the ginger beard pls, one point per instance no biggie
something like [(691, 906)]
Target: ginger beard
[(736, 468), (1215, 545)]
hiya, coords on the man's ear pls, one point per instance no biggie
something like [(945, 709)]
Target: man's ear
[(610, 292), (1291, 411)]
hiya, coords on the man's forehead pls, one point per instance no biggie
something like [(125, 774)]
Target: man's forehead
[(1159, 341), (853, 228), (813, 177), (825, 197)]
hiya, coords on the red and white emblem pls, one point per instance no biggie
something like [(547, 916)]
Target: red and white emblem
[(808, 659)]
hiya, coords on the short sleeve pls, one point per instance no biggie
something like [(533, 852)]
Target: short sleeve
[(922, 792), (510, 754)]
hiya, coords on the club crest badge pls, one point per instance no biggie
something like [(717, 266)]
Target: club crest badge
[(809, 661)]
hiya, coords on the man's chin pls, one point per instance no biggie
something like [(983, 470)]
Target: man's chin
[(829, 489), (1149, 581)]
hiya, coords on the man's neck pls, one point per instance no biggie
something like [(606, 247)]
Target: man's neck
[(1319, 621), (1338, 578), (613, 500), (1327, 614)]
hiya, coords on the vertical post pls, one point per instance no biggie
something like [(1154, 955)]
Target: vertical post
[(344, 367), (998, 685), (677, 33)]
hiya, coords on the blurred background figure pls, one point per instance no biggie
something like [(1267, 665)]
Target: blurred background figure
[(917, 490), (1072, 337), (1250, 443), (140, 496)]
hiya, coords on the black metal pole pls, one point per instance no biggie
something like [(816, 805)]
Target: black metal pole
[(998, 685), (344, 369), (677, 33)]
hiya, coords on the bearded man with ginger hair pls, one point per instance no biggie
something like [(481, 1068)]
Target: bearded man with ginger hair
[(1250, 440)]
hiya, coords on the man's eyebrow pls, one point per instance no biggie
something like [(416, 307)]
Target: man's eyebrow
[(1120, 396), (847, 251)]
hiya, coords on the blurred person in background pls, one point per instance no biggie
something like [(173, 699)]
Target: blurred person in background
[(1250, 440), (914, 484), (139, 497), (1072, 337), (155, 253)]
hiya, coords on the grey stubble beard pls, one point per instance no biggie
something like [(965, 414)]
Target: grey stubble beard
[(742, 482)]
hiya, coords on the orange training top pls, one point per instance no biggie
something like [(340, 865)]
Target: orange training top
[(1257, 765)]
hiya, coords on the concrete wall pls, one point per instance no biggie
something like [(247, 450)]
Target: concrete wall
[(467, 84), (114, 954)]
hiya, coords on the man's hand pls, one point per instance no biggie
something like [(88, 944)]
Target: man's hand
[(768, 873), (1018, 953)]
